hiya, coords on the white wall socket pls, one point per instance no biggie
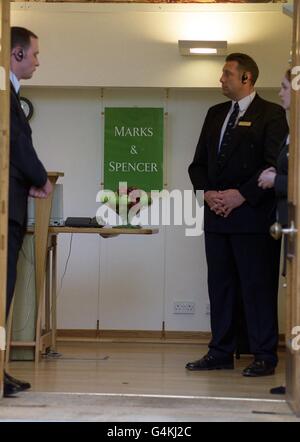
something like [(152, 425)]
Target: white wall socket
[(184, 308)]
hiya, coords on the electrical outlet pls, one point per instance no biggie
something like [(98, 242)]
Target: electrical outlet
[(184, 308)]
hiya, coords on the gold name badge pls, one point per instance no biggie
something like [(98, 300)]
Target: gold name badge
[(245, 123)]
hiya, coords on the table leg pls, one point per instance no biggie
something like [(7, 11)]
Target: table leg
[(54, 288)]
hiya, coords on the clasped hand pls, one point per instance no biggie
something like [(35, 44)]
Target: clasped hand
[(266, 179), (41, 192), (224, 201)]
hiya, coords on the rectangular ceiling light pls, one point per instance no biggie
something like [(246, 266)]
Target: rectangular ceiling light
[(202, 47)]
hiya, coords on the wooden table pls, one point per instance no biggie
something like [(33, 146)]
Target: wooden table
[(46, 276)]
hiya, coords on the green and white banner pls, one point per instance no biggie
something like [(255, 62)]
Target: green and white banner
[(133, 148)]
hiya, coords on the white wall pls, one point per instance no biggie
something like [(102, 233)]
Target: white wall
[(140, 277), (136, 45), (132, 283), (124, 282)]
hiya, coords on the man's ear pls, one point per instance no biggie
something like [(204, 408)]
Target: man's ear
[(18, 53)]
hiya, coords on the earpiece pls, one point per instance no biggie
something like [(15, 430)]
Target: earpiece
[(244, 78), (19, 55)]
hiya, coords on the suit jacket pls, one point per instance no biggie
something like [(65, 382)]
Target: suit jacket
[(25, 167), (253, 148)]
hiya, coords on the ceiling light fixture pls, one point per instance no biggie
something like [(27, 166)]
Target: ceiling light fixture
[(202, 47)]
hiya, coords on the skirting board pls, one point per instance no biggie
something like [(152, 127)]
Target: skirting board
[(132, 335), (157, 336)]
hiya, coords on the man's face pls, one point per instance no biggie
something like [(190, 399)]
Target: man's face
[(232, 85), (30, 61), (285, 93)]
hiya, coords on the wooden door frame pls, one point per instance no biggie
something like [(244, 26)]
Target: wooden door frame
[(4, 168), (293, 264)]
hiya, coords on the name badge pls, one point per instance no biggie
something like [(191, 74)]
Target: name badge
[(245, 123)]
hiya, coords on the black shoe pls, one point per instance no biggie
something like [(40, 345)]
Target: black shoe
[(278, 390), (209, 362), (10, 388), (22, 384), (259, 368)]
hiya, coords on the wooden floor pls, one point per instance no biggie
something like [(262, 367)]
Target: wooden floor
[(149, 370), (140, 368)]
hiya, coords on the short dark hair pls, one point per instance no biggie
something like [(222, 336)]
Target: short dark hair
[(20, 37), (288, 75), (246, 64)]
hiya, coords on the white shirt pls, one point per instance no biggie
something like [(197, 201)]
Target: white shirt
[(244, 103), (15, 81)]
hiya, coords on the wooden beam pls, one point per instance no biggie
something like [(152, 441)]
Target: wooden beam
[(293, 282), (154, 1), (4, 167)]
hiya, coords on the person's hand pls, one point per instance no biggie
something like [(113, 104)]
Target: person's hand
[(41, 192), (228, 200), (212, 198), (267, 178)]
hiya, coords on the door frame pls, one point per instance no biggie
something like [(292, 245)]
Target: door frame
[(4, 168), (292, 338)]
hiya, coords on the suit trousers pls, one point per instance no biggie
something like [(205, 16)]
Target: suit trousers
[(245, 265), (16, 234)]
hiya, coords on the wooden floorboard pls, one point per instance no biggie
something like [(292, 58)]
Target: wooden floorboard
[(140, 368)]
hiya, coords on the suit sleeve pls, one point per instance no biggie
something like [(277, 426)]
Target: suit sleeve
[(276, 130), (22, 154), (199, 167), (281, 186)]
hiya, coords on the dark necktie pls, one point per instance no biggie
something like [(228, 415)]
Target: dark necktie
[(228, 131)]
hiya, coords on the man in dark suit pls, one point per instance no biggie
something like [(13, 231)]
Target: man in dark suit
[(239, 139), (27, 175)]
